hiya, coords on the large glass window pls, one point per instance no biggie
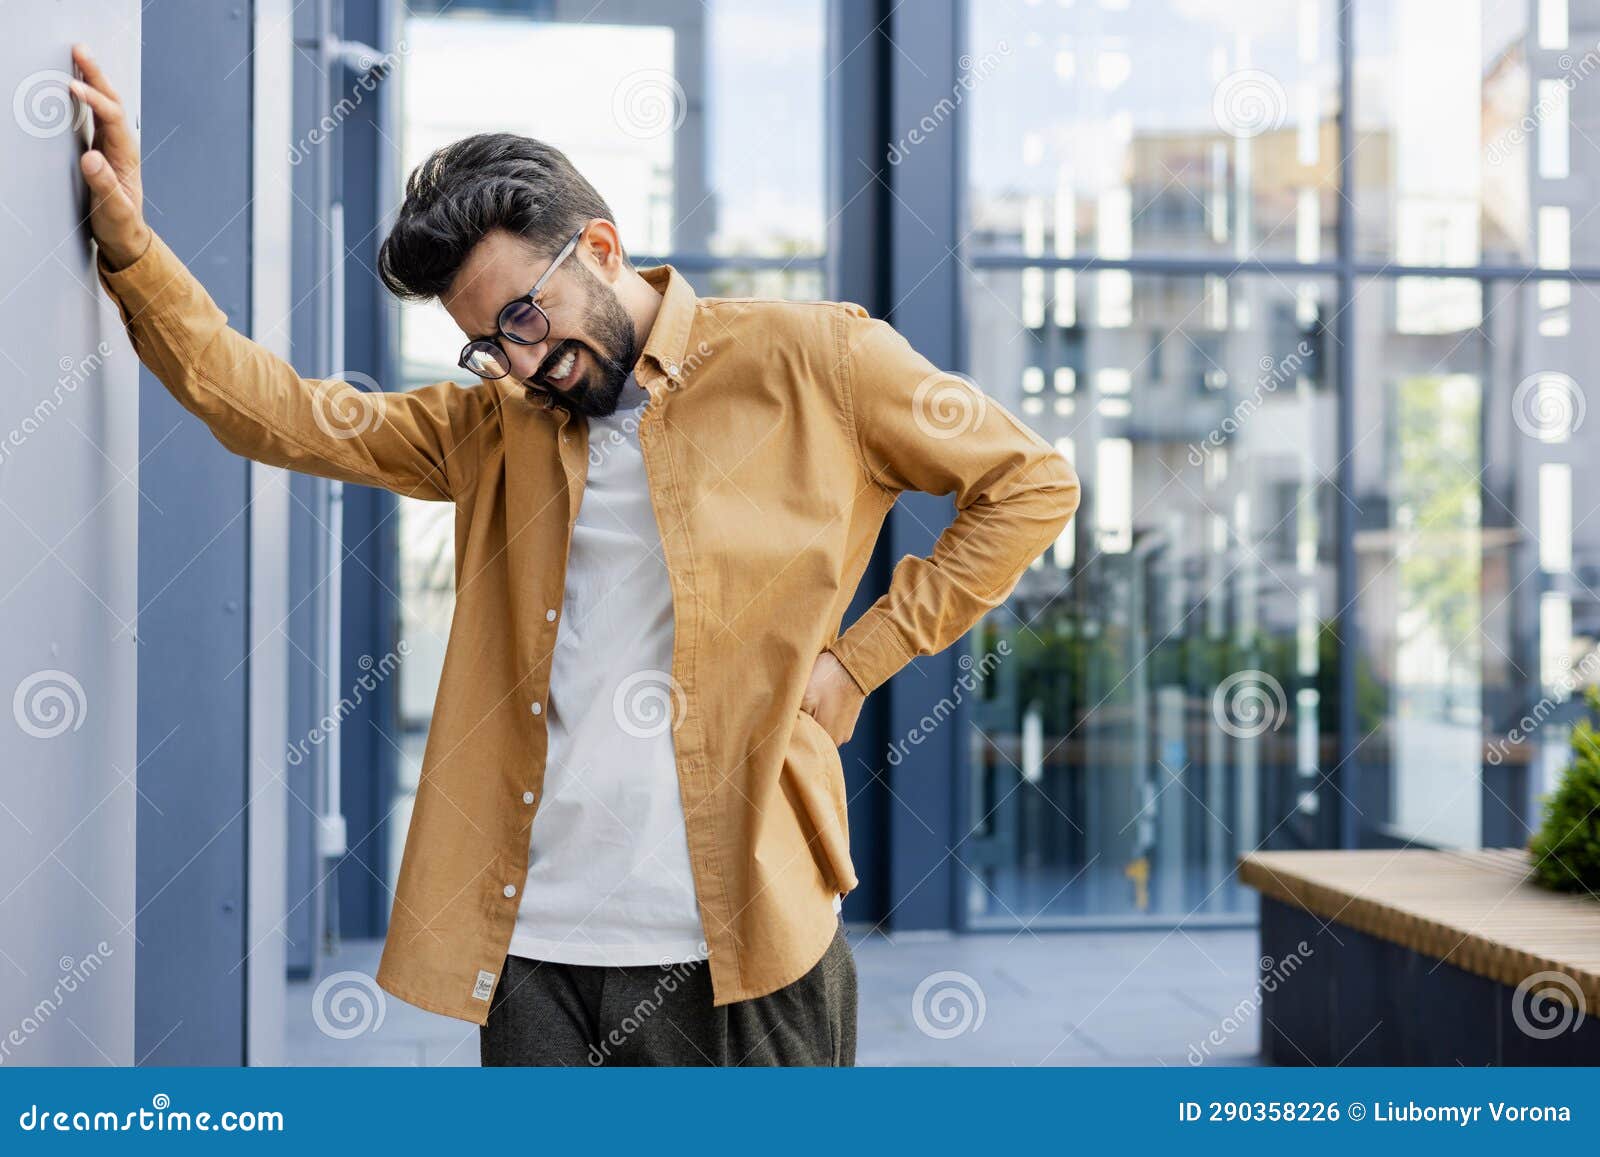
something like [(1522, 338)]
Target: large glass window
[(1272, 519), (1476, 556), (1154, 127), (1156, 688), (1419, 556), (1475, 131)]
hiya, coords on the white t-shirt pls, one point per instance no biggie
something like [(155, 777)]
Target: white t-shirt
[(608, 870)]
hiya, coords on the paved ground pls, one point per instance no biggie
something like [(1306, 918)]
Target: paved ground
[(1081, 998)]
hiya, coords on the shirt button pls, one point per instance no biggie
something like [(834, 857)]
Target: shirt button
[(510, 890), (549, 616), (535, 708), (527, 797), (672, 369)]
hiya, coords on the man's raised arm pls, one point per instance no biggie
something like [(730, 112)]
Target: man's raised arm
[(252, 400)]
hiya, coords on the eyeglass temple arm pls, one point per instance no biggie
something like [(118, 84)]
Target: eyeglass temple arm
[(566, 251)]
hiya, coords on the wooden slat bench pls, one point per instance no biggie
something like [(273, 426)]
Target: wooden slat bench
[(1415, 957)]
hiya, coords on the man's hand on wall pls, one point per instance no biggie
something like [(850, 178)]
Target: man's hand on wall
[(111, 168)]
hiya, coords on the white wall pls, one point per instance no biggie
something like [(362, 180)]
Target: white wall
[(69, 510)]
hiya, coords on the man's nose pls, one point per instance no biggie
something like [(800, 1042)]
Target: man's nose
[(525, 359)]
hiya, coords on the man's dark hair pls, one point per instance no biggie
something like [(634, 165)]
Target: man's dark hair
[(479, 183)]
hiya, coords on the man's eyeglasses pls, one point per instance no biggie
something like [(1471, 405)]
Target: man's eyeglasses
[(521, 321)]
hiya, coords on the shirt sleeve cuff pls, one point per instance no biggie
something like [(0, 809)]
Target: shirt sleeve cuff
[(871, 651), (139, 284)]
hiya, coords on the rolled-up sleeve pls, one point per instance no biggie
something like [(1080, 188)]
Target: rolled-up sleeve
[(258, 406), (919, 428)]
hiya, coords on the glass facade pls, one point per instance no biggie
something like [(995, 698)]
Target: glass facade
[(1475, 575), (1327, 557), (1472, 130), (1158, 128), (1116, 767)]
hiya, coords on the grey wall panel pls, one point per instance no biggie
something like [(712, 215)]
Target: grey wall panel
[(924, 306), (69, 509), (194, 566)]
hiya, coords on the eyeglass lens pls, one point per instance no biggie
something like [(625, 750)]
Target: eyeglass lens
[(525, 322), (486, 360)]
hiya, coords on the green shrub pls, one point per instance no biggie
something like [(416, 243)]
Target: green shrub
[(1566, 848)]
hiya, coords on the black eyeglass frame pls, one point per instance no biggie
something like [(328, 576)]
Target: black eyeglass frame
[(492, 346)]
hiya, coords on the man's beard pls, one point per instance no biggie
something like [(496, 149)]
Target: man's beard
[(612, 347)]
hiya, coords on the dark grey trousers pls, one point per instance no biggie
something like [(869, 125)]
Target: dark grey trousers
[(575, 1014)]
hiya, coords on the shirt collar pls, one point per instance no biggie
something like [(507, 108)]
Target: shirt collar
[(669, 336)]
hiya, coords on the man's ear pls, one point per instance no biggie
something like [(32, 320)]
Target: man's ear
[(604, 244)]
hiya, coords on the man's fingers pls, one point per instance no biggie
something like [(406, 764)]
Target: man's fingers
[(108, 202), (92, 71), (103, 105), (112, 216), (110, 167), (111, 134)]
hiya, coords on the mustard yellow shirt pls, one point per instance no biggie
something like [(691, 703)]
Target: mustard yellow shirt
[(777, 436)]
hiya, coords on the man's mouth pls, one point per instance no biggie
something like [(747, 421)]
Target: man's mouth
[(559, 366)]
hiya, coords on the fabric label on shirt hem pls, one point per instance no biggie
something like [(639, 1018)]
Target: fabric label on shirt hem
[(485, 986)]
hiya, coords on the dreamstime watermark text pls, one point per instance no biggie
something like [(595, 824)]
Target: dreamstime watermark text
[(74, 372), (1273, 974), (374, 673), (159, 1117), (1551, 98), (971, 74), (675, 974), (74, 974), (973, 673), (372, 74), (1274, 373), (1583, 672)]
